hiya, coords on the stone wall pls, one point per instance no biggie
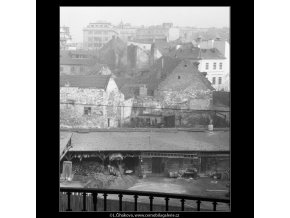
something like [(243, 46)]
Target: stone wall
[(91, 108)]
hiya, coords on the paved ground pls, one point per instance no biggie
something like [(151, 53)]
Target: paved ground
[(202, 186)]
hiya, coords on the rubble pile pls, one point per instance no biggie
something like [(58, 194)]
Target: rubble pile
[(87, 168)]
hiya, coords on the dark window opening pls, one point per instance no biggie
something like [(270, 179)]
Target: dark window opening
[(178, 77), (220, 80), (87, 110)]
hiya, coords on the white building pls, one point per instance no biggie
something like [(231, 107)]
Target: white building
[(224, 48), (211, 61), (96, 34)]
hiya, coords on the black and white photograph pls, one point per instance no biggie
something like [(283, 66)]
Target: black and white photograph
[(144, 109)]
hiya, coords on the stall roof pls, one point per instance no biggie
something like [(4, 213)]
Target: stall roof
[(151, 141), (64, 137)]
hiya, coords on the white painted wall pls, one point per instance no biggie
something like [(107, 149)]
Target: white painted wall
[(223, 73)]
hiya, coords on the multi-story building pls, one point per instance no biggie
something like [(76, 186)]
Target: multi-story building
[(224, 48), (166, 32), (64, 37), (96, 34), (211, 61), (126, 31)]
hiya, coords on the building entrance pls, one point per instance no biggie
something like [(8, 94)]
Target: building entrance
[(157, 165)]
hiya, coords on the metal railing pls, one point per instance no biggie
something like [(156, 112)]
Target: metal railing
[(151, 195)]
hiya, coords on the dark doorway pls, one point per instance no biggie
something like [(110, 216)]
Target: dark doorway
[(169, 121), (157, 166)]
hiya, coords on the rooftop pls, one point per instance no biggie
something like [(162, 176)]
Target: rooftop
[(64, 137), (151, 141), (84, 81), (196, 53)]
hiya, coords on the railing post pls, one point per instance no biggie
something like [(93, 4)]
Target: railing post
[(198, 205), (166, 203), (182, 204), (68, 201), (105, 201), (135, 205), (151, 202), (214, 205), (120, 202), (95, 200), (84, 201)]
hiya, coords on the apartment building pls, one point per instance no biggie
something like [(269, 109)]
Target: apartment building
[(96, 34)]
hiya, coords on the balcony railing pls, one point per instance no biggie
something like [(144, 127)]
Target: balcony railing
[(91, 195)]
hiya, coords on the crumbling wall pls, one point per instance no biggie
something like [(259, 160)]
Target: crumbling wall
[(102, 106)]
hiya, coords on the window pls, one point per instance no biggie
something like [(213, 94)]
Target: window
[(90, 39), (178, 77), (221, 66), (98, 32), (220, 80), (72, 69), (214, 66), (213, 80), (206, 66), (87, 110), (108, 122), (71, 101), (90, 32), (82, 69)]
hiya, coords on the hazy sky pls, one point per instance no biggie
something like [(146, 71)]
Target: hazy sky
[(79, 17)]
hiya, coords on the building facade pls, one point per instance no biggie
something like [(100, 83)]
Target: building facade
[(64, 37), (223, 47), (126, 31), (96, 34), (211, 61), (90, 102), (80, 62), (165, 31)]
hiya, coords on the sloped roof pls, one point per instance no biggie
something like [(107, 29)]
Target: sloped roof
[(84, 81), (151, 141), (64, 138), (196, 53)]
